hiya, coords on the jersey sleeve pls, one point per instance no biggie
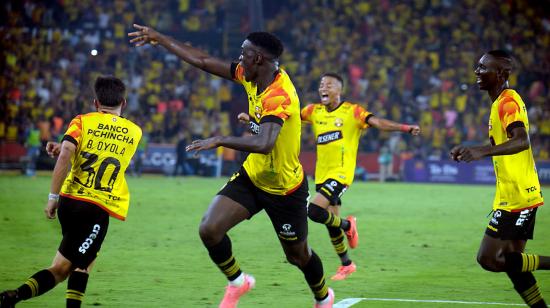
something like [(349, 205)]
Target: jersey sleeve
[(74, 131), (361, 115), (276, 106), (237, 72), (307, 112), (509, 114)]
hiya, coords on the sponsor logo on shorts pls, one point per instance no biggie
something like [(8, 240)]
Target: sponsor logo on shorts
[(88, 242), (523, 217), (287, 233), (496, 215)]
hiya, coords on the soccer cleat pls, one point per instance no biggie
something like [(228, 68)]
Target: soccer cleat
[(329, 301), (8, 299), (234, 293), (351, 234), (344, 271)]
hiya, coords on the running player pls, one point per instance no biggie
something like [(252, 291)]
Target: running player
[(271, 178), (97, 148), (337, 126), (518, 193)]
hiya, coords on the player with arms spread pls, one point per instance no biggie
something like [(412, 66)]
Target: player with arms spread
[(337, 126), (97, 147), (271, 178), (518, 193)]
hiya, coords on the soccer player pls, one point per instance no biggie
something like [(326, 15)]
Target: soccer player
[(337, 126), (271, 178), (518, 193), (97, 148)]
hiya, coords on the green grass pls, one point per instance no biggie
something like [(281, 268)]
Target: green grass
[(417, 242)]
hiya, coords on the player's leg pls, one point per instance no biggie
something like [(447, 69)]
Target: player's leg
[(337, 239), (39, 283), (76, 286), (329, 193), (233, 204), (288, 215), (502, 250)]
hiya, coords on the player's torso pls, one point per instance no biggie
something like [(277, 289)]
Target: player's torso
[(280, 170), (107, 145), (337, 136), (517, 184)]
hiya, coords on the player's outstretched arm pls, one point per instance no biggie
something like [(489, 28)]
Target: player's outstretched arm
[(389, 125), (59, 174), (194, 56), (518, 142), (262, 143)]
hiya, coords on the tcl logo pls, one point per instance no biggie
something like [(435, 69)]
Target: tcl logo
[(531, 189), (88, 242)]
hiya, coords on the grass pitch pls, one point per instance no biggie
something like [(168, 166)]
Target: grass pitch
[(418, 241)]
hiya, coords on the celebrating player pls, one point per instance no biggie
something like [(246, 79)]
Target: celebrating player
[(337, 126), (271, 178), (97, 147), (518, 193)]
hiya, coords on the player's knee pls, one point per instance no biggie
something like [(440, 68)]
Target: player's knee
[(489, 263), (60, 272), (209, 233), (316, 213)]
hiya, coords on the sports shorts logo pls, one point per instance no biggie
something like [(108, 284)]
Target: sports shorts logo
[(329, 137), (287, 231), (494, 219), (88, 242)]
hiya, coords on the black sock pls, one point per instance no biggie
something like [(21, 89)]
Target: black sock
[(36, 285), (521, 262), (337, 239), (76, 287), (313, 272), (222, 255), (322, 216), (526, 285)]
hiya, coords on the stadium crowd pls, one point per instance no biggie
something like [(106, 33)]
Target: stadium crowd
[(409, 61)]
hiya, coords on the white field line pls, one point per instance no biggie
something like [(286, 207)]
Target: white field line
[(348, 302)]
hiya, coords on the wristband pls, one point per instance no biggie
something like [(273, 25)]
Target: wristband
[(405, 128), (53, 197)]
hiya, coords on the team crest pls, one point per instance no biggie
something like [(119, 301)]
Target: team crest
[(258, 112), (114, 119), (338, 122)]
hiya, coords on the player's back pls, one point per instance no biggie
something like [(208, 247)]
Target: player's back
[(105, 146)]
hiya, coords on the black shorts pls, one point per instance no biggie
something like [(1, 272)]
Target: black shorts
[(512, 225), (288, 213), (332, 190), (84, 226)]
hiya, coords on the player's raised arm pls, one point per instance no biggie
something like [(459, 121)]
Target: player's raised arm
[(389, 125), (194, 56)]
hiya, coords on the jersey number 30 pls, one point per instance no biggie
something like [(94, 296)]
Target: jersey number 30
[(94, 178)]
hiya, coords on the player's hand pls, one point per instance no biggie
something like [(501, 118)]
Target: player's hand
[(414, 130), (144, 35), (53, 148), (460, 153), (203, 144), (51, 209), (243, 118)]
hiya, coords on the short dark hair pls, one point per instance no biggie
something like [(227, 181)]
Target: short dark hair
[(505, 59), (335, 75), (267, 41), (109, 91)]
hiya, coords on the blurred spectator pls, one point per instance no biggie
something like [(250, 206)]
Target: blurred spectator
[(33, 145), (385, 163)]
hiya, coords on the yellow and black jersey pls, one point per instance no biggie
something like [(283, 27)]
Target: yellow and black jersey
[(337, 133), (517, 182), (105, 144), (278, 172)]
